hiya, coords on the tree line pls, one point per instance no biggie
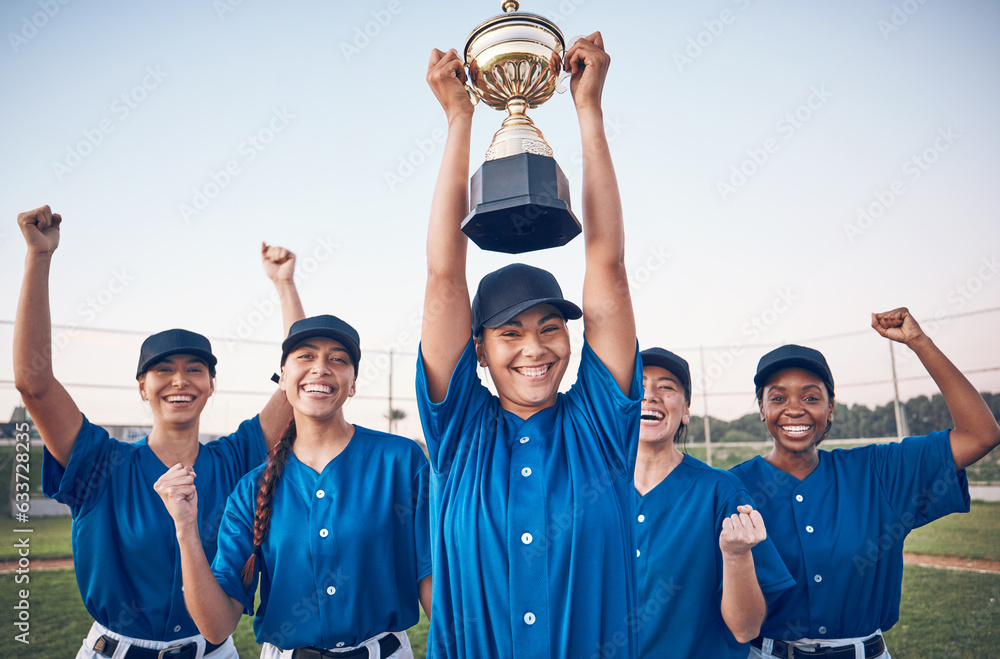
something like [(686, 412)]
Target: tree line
[(922, 414)]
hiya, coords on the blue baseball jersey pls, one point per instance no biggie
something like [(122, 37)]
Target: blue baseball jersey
[(841, 530), (125, 550), (678, 524), (345, 549), (533, 519)]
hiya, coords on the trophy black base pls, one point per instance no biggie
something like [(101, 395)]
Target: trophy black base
[(520, 204)]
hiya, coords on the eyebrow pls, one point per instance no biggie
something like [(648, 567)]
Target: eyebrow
[(781, 388), (545, 319), (315, 347)]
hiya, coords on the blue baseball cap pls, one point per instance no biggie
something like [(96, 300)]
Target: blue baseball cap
[(326, 326), (673, 363), (793, 356), (174, 342), (505, 293)]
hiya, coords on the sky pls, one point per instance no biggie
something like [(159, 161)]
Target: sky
[(786, 168)]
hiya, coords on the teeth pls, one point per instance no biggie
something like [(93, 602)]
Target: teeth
[(652, 414), (180, 399), (317, 389), (533, 371), (796, 428)]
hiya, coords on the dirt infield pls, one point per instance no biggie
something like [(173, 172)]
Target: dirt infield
[(923, 560), (953, 563)]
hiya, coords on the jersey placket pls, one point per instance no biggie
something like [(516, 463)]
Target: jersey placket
[(322, 542), (527, 546), (806, 512)]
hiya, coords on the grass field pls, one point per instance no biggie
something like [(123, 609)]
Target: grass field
[(943, 614)]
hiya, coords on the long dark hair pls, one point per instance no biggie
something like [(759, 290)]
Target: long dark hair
[(266, 486)]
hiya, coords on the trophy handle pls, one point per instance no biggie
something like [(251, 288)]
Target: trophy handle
[(473, 94), (560, 87)]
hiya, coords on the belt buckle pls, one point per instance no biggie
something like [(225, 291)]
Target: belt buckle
[(176, 651)]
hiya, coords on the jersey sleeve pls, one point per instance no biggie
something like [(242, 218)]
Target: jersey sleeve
[(243, 450), (919, 479), (447, 422), (772, 575), (236, 544), (421, 518), (597, 398), (84, 479)]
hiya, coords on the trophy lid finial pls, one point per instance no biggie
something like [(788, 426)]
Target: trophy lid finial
[(511, 5)]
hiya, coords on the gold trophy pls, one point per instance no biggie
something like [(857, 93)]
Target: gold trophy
[(520, 196)]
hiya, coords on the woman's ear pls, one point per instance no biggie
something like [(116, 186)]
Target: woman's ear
[(142, 387), (480, 354)]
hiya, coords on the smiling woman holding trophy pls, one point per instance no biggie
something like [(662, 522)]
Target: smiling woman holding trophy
[(532, 526)]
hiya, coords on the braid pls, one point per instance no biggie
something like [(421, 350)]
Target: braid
[(265, 492)]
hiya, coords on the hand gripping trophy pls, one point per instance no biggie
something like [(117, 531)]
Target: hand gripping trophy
[(520, 196)]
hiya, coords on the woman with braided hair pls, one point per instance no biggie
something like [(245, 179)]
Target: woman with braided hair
[(342, 560)]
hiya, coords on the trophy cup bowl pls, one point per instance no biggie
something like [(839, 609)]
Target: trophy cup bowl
[(520, 196)]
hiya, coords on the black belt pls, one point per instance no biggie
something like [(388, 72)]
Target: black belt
[(387, 645), (874, 646), (106, 646)]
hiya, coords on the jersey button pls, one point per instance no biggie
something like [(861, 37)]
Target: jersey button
[(529, 618), (809, 529), (642, 518), (177, 628), (526, 472), (524, 440), (798, 497), (323, 533), (526, 538), (637, 553), (822, 630), (330, 590), (817, 578), (340, 644), (320, 494)]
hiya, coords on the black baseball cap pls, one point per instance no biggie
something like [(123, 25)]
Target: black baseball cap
[(512, 290), (793, 356), (174, 342), (673, 363), (326, 326)]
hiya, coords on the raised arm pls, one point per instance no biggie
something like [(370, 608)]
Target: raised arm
[(743, 606), (215, 613), (53, 411), (447, 321), (976, 432), (279, 265), (607, 305)]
